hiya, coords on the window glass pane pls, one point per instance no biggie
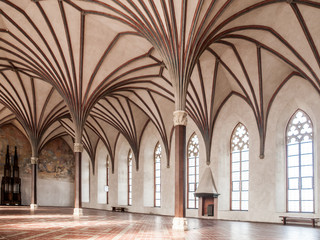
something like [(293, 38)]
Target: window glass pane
[(293, 161), (236, 167), (235, 195), (245, 155), (192, 170), (197, 203), (306, 147), (192, 178), (293, 149), (244, 195), (245, 166), (235, 156), (191, 195), (293, 195), (306, 171), (157, 180), (191, 203), (158, 203), (307, 206), (307, 183), (293, 183), (293, 172), (235, 205), (245, 176), (245, 186), (306, 159), (192, 163), (235, 186), (293, 206), (307, 194), (191, 188), (158, 187), (236, 176), (244, 205), (157, 195)]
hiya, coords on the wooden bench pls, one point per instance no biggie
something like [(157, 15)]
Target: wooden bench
[(311, 220), (119, 209)]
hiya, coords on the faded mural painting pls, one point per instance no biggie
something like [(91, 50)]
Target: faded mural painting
[(55, 161)]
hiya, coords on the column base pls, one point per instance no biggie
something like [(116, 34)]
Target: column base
[(33, 206), (179, 224), (77, 212)]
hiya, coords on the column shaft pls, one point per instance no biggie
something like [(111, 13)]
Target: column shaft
[(34, 184), (180, 166), (77, 180)]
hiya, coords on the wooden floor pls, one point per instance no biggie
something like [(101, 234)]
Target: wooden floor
[(59, 223)]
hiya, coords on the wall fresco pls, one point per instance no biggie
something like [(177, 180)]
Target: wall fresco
[(55, 161)]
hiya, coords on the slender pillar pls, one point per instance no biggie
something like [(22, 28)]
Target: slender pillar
[(78, 148), (34, 169), (180, 122)]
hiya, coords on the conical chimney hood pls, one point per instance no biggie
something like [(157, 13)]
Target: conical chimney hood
[(207, 187)]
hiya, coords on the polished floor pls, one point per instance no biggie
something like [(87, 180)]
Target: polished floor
[(58, 223)]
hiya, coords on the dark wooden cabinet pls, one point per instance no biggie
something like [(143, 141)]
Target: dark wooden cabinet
[(11, 182)]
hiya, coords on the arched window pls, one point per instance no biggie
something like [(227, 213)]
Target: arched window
[(193, 171), (157, 175), (107, 177), (130, 156), (300, 170), (240, 168)]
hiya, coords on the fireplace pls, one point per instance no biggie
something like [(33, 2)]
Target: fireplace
[(208, 205), (208, 196)]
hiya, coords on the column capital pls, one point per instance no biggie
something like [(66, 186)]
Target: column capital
[(34, 160), (78, 147), (180, 118)]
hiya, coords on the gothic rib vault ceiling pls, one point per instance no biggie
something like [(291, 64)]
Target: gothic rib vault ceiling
[(94, 70)]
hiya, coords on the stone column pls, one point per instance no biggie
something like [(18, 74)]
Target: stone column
[(34, 168), (78, 148), (180, 123)]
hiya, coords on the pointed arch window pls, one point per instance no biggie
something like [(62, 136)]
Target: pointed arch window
[(130, 157), (107, 177), (193, 171), (157, 175), (240, 168), (300, 170)]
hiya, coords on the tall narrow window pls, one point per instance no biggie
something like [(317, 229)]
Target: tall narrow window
[(107, 177), (130, 156), (193, 170), (300, 163), (240, 168), (157, 175)]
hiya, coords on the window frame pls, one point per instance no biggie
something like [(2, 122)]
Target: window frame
[(155, 175), (196, 183), (293, 116), (107, 177), (129, 174), (241, 150)]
